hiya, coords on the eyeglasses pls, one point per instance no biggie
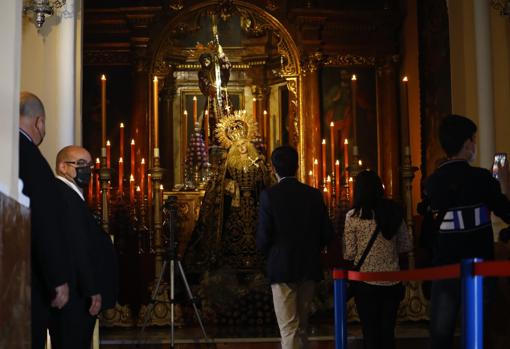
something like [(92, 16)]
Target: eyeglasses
[(81, 163)]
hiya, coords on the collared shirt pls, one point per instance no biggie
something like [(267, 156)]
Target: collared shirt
[(26, 135), (281, 179), (72, 186)]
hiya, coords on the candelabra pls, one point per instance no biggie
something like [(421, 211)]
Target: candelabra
[(104, 178)]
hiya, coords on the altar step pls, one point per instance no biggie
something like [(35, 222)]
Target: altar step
[(415, 336)]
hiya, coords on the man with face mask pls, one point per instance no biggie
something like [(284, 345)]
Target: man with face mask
[(92, 260), (48, 252), (459, 198)]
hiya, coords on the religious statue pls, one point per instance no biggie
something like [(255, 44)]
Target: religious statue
[(225, 231), (213, 78)]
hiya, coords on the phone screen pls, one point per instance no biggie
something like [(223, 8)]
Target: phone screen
[(499, 161)]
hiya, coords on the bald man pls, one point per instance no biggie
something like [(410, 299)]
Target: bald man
[(48, 252), (92, 281)]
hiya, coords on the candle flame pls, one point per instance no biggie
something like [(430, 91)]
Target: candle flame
[(120, 160), (337, 162), (346, 141), (103, 77), (137, 188), (121, 125), (325, 189), (132, 142), (350, 179), (405, 79), (155, 78), (149, 175), (161, 187), (310, 173), (131, 178), (207, 112), (143, 161), (315, 161), (265, 112), (194, 98), (108, 143), (360, 163), (332, 124), (324, 141), (328, 179), (97, 161), (254, 99), (354, 77), (185, 112)]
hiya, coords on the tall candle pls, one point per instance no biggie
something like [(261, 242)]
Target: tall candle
[(265, 121), (332, 140), (131, 189), (121, 141), (195, 110), (108, 153), (324, 161), (156, 113), (337, 179), (254, 108), (103, 110), (161, 191), (330, 192), (346, 159), (310, 178), (132, 157), (98, 185), (316, 173), (405, 113), (142, 176), (354, 83), (121, 175), (186, 125), (139, 194), (206, 129), (149, 189)]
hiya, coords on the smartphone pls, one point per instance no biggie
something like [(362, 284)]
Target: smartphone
[(499, 161)]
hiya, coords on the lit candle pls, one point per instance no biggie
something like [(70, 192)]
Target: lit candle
[(121, 141), (98, 186), (330, 192), (206, 129), (186, 125), (332, 140), (139, 194), (354, 109), (195, 117), (161, 190), (103, 110), (121, 175), (337, 179), (310, 178), (316, 172), (131, 189), (132, 157), (350, 181), (326, 195), (142, 176), (405, 113), (149, 189), (254, 108), (346, 159), (108, 153), (324, 160), (265, 126), (156, 117)]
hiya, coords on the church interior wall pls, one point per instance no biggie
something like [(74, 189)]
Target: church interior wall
[(48, 69)]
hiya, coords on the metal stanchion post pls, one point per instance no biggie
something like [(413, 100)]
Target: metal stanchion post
[(340, 290), (472, 299)]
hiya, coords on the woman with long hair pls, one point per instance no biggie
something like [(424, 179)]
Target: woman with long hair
[(377, 302)]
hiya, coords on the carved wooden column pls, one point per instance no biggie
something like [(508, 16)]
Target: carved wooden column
[(167, 95), (388, 127), (139, 119), (312, 120)]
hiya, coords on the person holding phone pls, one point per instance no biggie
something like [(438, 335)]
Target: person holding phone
[(460, 198)]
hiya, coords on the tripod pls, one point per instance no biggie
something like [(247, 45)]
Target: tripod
[(171, 260)]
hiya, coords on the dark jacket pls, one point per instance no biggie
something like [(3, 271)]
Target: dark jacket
[(93, 259), (465, 195), (49, 260), (293, 228)]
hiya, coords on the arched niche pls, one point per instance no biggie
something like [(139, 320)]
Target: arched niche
[(264, 52)]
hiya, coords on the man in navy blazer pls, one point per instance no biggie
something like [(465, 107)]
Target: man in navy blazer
[(293, 228)]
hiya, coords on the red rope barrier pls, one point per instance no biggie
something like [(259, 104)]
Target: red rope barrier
[(490, 268)]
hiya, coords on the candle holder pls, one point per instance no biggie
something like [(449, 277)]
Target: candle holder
[(104, 178), (414, 306), (157, 175)]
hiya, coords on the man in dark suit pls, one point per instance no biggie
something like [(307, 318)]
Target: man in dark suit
[(49, 273), (93, 265), (293, 228)]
